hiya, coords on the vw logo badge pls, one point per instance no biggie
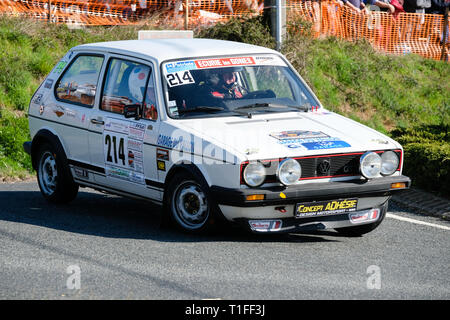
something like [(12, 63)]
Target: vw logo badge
[(323, 167)]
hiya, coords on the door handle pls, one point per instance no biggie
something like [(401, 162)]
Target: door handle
[(95, 121)]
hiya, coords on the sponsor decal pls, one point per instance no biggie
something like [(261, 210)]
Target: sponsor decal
[(323, 208), (48, 84), (310, 140), (123, 149), (224, 62), (59, 111), (168, 142), (180, 66), (380, 141), (60, 66), (270, 60), (79, 172), (71, 113), (298, 134), (38, 98), (162, 154), (161, 165), (326, 145)]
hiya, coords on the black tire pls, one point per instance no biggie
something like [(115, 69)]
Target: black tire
[(53, 175), (358, 231), (188, 205)]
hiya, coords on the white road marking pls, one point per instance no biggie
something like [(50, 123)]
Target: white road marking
[(393, 216)]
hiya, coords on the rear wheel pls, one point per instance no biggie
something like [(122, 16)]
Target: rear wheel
[(54, 178)]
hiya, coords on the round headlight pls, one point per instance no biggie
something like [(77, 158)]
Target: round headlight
[(370, 165), (389, 163), (289, 171), (254, 174)]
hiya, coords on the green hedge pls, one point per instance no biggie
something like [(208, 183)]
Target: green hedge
[(13, 133), (427, 156), (428, 164)]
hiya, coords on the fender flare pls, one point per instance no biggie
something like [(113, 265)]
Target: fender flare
[(185, 166), (45, 136)]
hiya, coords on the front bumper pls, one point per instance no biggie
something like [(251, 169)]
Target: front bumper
[(277, 209), (281, 195), (344, 220)]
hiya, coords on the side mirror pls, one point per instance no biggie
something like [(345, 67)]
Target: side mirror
[(132, 110)]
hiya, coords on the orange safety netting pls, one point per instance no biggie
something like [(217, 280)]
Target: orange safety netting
[(123, 12), (398, 33)]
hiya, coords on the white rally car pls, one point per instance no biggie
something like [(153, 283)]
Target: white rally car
[(212, 130)]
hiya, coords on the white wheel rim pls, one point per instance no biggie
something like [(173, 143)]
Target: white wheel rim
[(48, 173), (190, 206)]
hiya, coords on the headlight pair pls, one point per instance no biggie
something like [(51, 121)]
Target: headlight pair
[(372, 164), (288, 172)]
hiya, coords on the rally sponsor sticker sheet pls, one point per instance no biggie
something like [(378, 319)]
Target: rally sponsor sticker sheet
[(308, 140), (123, 149)]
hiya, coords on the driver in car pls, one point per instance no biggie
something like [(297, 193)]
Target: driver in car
[(225, 86)]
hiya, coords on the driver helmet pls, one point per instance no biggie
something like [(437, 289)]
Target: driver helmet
[(136, 82)]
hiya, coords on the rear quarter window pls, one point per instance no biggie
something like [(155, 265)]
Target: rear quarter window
[(79, 82)]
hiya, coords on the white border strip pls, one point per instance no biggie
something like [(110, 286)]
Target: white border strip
[(393, 216)]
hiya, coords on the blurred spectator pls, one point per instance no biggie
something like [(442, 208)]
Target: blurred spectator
[(356, 5), (398, 5), (385, 5), (418, 6), (438, 6)]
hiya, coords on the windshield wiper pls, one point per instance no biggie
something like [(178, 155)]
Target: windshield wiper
[(305, 107), (201, 109), (253, 105)]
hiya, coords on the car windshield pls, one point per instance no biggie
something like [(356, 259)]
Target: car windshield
[(224, 86)]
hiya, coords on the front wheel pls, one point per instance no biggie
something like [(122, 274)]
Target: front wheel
[(188, 204), (54, 179)]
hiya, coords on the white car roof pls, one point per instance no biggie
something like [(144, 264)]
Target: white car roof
[(167, 49)]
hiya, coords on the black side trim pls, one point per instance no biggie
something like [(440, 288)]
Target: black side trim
[(156, 184), (87, 166), (91, 167), (308, 192), (97, 186)]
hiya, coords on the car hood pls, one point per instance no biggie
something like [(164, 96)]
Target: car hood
[(288, 134)]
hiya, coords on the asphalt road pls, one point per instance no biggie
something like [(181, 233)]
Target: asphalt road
[(106, 247)]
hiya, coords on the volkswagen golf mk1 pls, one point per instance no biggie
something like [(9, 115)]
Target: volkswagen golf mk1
[(212, 130)]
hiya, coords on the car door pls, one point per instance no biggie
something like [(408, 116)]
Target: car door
[(121, 145), (70, 105)]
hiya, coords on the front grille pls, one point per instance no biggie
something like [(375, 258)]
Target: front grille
[(322, 166), (329, 166)]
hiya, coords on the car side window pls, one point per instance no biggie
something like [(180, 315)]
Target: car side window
[(150, 112), (125, 84), (79, 82)]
